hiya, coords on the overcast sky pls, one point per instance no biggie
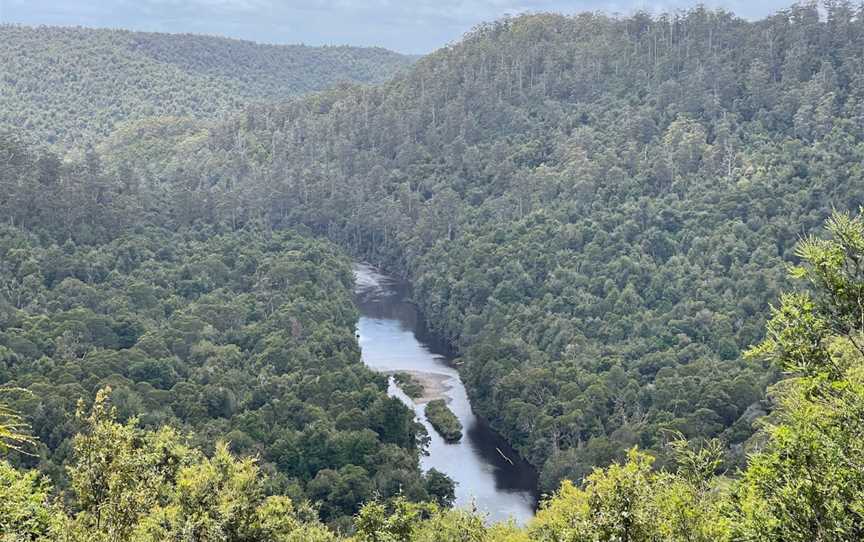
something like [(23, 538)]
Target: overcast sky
[(409, 26)]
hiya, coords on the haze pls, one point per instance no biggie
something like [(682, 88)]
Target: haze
[(415, 27)]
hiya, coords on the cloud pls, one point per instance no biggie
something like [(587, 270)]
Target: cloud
[(415, 26)]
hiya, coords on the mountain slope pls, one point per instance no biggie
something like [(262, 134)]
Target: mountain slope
[(73, 85), (245, 337), (595, 211)]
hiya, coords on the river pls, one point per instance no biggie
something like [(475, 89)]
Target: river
[(393, 338)]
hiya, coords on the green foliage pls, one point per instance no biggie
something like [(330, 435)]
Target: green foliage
[(697, 466), (25, 510), (441, 489), (378, 522), (72, 86), (13, 428), (595, 211), (221, 498), (630, 502), (120, 472), (401, 521), (246, 337), (799, 329), (443, 420), (410, 385), (135, 485), (795, 336), (807, 482), (615, 504)]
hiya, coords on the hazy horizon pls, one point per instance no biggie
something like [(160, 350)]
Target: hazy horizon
[(407, 27)]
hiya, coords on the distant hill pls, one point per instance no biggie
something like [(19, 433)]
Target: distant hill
[(72, 86)]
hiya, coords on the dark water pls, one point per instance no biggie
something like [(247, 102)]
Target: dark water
[(393, 338)]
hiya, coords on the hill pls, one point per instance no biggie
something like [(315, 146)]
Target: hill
[(595, 211), (72, 86), (245, 337)]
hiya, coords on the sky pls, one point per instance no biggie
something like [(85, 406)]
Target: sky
[(407, 26)]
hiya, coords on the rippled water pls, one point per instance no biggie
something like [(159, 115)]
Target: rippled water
[(394, 338)]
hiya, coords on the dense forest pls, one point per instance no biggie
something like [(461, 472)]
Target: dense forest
[(245, 336), (70, 87), (597, 213), (804, 484)]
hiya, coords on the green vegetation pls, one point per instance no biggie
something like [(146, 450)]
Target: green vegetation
[(54, 84), (410, 385), (805, 484), (594, 211), (245, 336), (443, 420), (132, 484), (14, 430), (806, 481)]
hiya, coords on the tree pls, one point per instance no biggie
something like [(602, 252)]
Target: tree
[(26, 513), (13, 428), (807, 484), (222, 499), (131, 484), (25, 510), (630, 502), (120, 472), (441, 489)]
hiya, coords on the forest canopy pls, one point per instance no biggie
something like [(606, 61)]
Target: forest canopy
[(595, 211), (244, 337), (597, 214), (804, 484), (70, 87)]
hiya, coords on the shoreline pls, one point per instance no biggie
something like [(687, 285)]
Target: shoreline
[(435, 385)]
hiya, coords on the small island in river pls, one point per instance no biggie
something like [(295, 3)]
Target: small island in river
[(421, 386), (443, 420), (412, 387)]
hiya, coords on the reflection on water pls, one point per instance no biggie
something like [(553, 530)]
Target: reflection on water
[(393, 338)]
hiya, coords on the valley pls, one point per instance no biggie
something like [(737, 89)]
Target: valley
[(616, 260), (393, 338)]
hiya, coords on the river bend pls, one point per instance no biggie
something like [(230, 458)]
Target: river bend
[(393, 338)]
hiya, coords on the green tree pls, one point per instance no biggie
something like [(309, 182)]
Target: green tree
[(808, 481), (26, 512), (120, 472), (14, 430)]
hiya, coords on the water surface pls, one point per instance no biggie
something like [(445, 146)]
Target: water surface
[(393, 338)]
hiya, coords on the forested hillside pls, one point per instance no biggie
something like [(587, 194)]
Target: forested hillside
[(595, 211), (805, 483), (241, 336), (72, 86)]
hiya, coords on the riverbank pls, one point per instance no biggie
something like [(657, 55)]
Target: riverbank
[(394, 339), (434, 385)]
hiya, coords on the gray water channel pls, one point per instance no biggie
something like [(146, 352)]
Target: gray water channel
[(393, 338)]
